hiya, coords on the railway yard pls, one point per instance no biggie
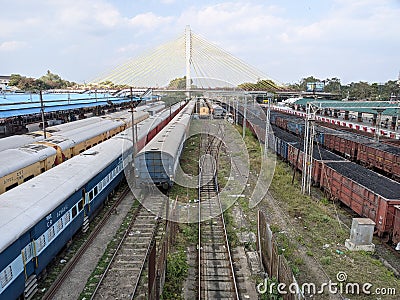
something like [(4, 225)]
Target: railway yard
[(122, 221)]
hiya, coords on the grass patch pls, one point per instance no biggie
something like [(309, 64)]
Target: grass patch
[(324, 236), (189, 162), (177, 269), (230, 228), (317, 231)]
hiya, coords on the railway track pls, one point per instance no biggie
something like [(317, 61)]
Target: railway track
[(64, 275), (122, 275), (216, 276)]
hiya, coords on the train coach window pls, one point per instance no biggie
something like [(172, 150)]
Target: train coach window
[(51, 233), (80, 204), (59, 225), (95, 191), (90, 195), (11, 186), (6, 276), (67, 218), (40, 243), (74, 212)]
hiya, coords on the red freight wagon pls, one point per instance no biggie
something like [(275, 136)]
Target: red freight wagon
[(367, 193), (319, 157), (296, 159), (281, 122), (341, 144), (396, 226), (380, 156), (391, 141)]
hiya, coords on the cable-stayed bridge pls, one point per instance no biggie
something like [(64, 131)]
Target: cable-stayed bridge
[(204, 65)]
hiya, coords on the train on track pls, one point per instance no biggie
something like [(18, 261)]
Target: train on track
[(157, 162), (382, 157), (38, 218), (23, 162), (203, 108), (366, 192), (217, 111)]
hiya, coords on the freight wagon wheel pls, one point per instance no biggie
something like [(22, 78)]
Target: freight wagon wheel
[(335, 200), (386, 238)]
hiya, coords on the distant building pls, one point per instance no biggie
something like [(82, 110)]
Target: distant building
[(4, 81)]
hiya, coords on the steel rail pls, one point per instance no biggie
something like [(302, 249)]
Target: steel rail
[(213, 150), (72, 263)]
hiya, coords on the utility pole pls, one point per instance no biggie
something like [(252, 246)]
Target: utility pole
[(308, 149), (378, 122), (42, 112), (230, 107), (244, 114), (188, 57), (236, 110), (267, 121), (133, 127)]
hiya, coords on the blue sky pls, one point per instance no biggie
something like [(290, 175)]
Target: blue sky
[(356, 40)]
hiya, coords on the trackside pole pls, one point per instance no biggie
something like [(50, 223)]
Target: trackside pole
[(308, 150)]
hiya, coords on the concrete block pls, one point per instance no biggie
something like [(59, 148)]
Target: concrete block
[(354, 247), (362, 231)]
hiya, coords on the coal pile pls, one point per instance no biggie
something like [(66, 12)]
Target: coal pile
[(373, 181)]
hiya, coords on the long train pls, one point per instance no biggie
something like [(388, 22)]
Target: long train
[(157, 162), (15, 141), (366, 192), (26, 161), (383, 157), (38, 218)]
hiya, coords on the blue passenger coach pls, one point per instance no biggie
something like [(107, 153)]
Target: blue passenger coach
[(39, 217), (157, 162)]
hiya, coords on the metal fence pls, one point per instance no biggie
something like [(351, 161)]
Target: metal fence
[(158, 261), (275, 264)]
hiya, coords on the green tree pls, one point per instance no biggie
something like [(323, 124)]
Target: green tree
[(26, 84), (261, 85), (52, 81), (304, 81), (333, 85), (15, 79), (178, 83), (46, 82)]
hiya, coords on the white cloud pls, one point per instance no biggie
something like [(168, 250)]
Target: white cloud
[(128, 48), (149, 21), (10, 26), (11, 45), (341, 40), (282, 38), (89, 12)]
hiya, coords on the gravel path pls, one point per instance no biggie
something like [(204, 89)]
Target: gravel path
[(74, 285)]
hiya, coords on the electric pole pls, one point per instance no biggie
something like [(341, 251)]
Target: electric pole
[(42, 112), (308, 149)]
